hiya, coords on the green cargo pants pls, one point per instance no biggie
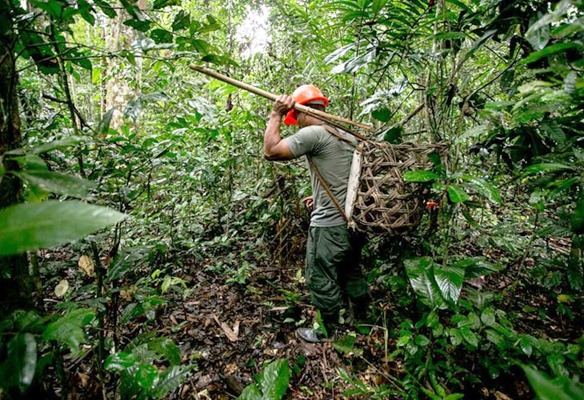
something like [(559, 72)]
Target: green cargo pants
[(333, 273)]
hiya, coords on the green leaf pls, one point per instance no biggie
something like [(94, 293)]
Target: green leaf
[(484, 188), (158, 4), (577, 218), (477, 266), (170, 380), (161, 36), (251, 392), (394, 135), (275, 379), (548, 389), (106, 8), (146, 376), (345, 344), (421, 340), (554, 132), (456, 194), (488, 317), (21, 359), (56, 182), (181, 21), (420, 176), (68, 329), (549, 50), (126, 260), (469, 336), (381, 114), (120, 361), (449, 280), (421, 276), (58, 144), (546, 168), (167, 348), (26, 227), (481, 41), (104, 124)]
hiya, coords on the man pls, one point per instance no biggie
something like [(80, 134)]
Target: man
[(333, 275)]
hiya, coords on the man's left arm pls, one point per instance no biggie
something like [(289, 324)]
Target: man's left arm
[(275, 148)]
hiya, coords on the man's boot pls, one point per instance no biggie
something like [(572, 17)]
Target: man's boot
[(317, 335)]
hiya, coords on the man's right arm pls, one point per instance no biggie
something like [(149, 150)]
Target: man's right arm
[(276, 149)]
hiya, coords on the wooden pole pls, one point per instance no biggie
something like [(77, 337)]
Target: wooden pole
[(302, 108)]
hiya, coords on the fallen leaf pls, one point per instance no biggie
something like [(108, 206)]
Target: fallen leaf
[(61, 288), (232, 336), (501, 396), (86, 265)]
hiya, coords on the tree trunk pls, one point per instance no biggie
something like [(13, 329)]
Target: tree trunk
[(118, 90), (14, 277)]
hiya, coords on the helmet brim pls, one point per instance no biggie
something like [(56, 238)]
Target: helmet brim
[(290, 120)]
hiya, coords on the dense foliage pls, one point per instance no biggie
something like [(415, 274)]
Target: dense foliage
[(133, 189)]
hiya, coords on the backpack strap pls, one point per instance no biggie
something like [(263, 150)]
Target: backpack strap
[(327, 188)]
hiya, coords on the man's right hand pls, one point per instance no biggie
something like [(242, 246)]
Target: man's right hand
[(308, 202), (283, 104)]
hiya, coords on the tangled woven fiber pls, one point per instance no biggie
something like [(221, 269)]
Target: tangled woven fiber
[(385, 203)]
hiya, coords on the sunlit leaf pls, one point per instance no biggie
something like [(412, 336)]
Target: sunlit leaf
[(21, 359), (86, 265), (546, 168), (548, 389), (170, 380), (421, 276), (275, 379), (56, 182), (484, 188), (420, 176), (549, 50), (69, 328), (449, 280), (62, 288), (26, 227), (577, 219), (456, 194)]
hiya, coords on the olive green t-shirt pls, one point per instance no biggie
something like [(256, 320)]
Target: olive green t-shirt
[(333, 159)]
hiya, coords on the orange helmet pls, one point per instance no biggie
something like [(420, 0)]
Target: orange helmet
[(303, 95)]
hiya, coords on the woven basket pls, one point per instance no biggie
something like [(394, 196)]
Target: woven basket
[(378, 199)]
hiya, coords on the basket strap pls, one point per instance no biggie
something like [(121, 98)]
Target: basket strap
[(336, 134), (327, 188)]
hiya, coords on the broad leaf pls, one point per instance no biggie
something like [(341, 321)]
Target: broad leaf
[(549, 50), (577, 219), (251, 392), (456, 194), (558, 389), (546, 168), (275, 379), (476, 267), (68, 329), (421, 275), (26, 227), (56, 182), (21, 359), (120, 361), (420, 176), (59, 144), (484, 188), (170, 380), (449, 280)]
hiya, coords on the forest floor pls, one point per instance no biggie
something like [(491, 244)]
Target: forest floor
[(229, 330)]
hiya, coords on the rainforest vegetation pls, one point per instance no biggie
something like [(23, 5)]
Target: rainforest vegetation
[(149, 251)]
